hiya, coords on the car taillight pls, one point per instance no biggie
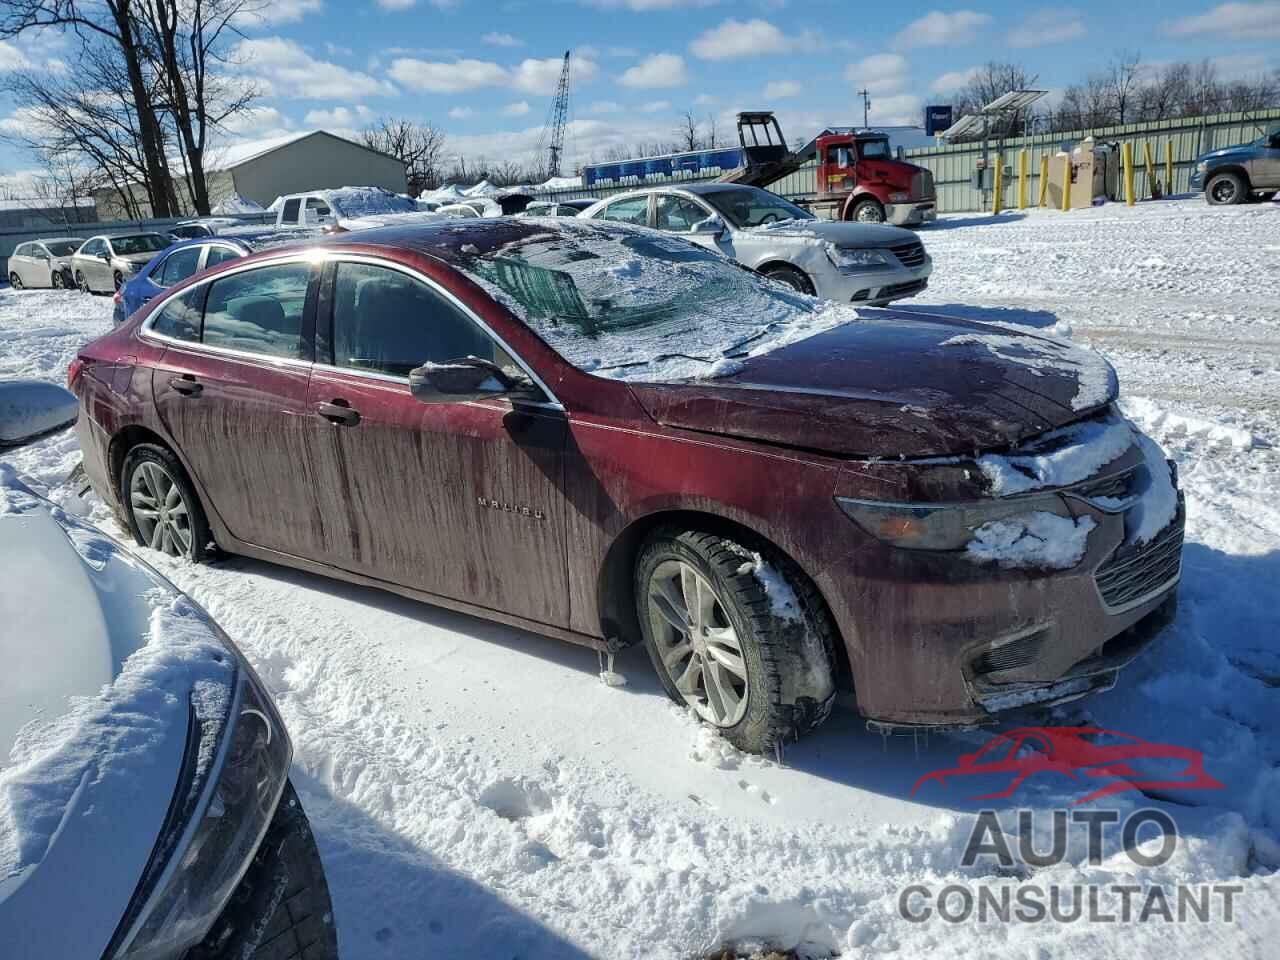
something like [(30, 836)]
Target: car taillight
[(74, 369)]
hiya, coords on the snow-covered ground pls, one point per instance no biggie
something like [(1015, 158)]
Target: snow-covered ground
[(477, 791)]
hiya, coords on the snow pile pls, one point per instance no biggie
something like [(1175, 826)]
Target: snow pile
[(561, 183), (482, 189), (236, 204), (1095, 380), (1157, 504), (1039, 540), (446, 194), (1070, 454), (1163, 423)]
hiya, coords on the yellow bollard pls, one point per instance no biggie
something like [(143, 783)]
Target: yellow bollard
[(1126, 157), (1168, 168), (1149, 162), (1066, 181), (995, 190), (1022, 179), (1044, 178)]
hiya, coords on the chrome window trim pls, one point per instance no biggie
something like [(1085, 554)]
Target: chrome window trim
[(315, 255)]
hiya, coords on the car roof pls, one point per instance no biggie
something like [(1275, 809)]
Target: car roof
[(200, 241), (57, 239)]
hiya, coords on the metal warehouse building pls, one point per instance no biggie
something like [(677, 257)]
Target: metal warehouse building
[(261, 170)]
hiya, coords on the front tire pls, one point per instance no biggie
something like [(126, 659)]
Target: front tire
[(81, 283), (161, 506), (117, 278), (15, 281), (1225, 189), (743, 641), (792, 277), (56, 281), (867, 210)]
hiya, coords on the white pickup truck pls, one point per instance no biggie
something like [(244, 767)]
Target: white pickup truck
[(352, 208)]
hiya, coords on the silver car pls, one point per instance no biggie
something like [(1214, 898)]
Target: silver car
[(104, 263), (850, 262), (43, 263)]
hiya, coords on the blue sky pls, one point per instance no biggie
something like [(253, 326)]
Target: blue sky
[(484, 71)]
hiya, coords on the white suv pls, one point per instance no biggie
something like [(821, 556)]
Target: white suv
[(850, 262)]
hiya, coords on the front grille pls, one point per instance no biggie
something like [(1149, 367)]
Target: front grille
[(922, 186), (911, 253), (1131, 574), (1011, 656), (1117, 486), (900, 289)]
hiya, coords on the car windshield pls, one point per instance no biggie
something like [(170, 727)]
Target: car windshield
[(753, 208), (873, 149), (353, 202), (138, 243), (632, 304), (62, 248)]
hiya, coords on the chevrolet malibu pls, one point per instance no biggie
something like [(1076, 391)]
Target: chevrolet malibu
[(145, 806), (612, 436)]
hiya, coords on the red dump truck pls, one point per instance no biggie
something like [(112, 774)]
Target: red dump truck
[(857, 177)]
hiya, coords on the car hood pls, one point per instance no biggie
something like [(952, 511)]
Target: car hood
[(139, 260), (1241, 151), (895, 384), (842, 234), (81, 800)]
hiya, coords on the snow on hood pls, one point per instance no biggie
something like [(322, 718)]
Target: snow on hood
[(1060, 457), (86, 776), (355, 202), (842, 234), (1094, 376), (236, 204)]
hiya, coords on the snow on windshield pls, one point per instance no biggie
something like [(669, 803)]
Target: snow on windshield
[(369, 201), (633, 304)]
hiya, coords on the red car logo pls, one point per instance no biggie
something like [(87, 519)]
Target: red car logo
[(1081, 753)]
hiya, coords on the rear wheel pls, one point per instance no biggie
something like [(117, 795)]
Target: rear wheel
[(56, 281), (160, 504), (757, 664), (790, 276), (15, 281), (118, 279), (1225, 189), (81, 283), (867, 210)]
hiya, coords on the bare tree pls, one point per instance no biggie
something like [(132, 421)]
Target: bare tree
[(687, 133), (115, 22), (994, 79), (419, 145), (1123, 79)]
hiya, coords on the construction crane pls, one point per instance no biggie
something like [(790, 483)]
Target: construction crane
[(551, 143)]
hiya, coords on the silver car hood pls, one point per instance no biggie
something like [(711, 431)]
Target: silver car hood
[(840, 233), (83, 795)]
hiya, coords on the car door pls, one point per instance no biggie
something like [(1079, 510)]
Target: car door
[(231, 388), (87, 257), (1264, 168), (627, 210), (462, 500), (99, 267), (19, 262), (674, 213), (176, 267)]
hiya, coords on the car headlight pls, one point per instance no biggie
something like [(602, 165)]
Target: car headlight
[(1202, 166), (233, 774), (853, 261), (899, 197), (944, 526)]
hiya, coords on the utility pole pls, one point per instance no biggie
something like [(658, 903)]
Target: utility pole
[(866, 105)]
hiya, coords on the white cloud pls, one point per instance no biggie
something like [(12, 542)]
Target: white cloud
[(655, 106), (283, 69), (739, 38), (953, 80), (517, 109), (899, 109), (460, 113), (705, 100), (647, 5), (278, 11), (1049, 25), (939, 29), (11, 58), (496, 39), (656, 70), (880, 73), (781, 89), (396, 4), (445, 77), (1238, 21), (604, 106), (1242, 66), (348, 117), (257, 122), (541, 76)]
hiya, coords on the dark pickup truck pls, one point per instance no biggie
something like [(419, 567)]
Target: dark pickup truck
[(1238, 174)]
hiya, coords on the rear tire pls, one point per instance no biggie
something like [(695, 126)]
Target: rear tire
[(160, 504), (15, 281), (118, 279), (793, 278), (758, 666), (56, 281), (81, 283), (867, 210), (1225, 189)]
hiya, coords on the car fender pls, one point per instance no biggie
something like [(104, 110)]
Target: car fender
[(880, 195)]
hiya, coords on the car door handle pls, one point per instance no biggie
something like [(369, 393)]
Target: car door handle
[(187, 385), (339, 413)]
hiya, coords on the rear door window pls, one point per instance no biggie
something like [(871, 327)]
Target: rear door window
[(179, 265), (677, 214), (291, 208), (635, 210), (259, 311), (220, 254), (388, 322), (180, 317)]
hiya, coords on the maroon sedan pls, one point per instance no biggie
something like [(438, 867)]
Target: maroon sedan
[(609, 435)]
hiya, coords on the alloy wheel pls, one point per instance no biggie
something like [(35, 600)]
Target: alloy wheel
[(699, 646), (15, 281), (159, 510), (1224, 191), (869, 213), (56, 281), (81, 283)]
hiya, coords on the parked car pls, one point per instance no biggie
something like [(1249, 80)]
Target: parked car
[(556, 208), (146, 775), (347, 208), (601, 433), (104, 263), (191, 230), (848, 262), (172, 265), (1241, 173), (43, 263)]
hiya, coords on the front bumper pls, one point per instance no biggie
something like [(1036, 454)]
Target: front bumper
[(1197, 180), (910, 214), (875, 288), (935, 639)]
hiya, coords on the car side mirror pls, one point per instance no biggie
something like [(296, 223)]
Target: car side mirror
[(713, 226), (29, 409), (105, 257), (467, 378)]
